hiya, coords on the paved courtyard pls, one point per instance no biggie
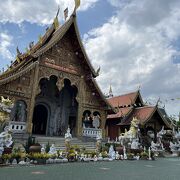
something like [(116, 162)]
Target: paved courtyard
[(165, 169)]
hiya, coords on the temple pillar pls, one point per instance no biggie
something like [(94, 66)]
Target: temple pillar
[(103, 123), (32, 100), (80, 103)]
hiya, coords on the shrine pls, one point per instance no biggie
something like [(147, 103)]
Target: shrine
[(53, 86), (152, 118)]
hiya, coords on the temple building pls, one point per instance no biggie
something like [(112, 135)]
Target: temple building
[(53, 86), (131, 105)]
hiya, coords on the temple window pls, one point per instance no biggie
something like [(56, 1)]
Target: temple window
[(87, 119)]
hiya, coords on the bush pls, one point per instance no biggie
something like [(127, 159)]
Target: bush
[(144, 155), (130, 156)]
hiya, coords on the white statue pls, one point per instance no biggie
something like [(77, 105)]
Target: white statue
[(156, 147), (135, 144), (177, 135), (112, 153), (5, 139), (68, 135), (52, 150), (175, 148), (96, 121), (43, 150), (117, 155), (133, 131), (124, 153), (161, 133)]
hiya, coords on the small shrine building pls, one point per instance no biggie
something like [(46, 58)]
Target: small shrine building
[(131, 105)]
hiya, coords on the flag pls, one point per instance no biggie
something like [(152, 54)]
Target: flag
[(56, 22), (40, 39), (65, 13), (77, 4), (17, 59)]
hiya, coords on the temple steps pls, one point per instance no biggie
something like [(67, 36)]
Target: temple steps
[(59, 142)]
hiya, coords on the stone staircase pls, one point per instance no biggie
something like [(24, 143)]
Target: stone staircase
[(87, 143)]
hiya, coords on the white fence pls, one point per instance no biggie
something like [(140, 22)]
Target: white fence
[(91, 132)]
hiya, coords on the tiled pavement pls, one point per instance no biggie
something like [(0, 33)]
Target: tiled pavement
[(165, 169)]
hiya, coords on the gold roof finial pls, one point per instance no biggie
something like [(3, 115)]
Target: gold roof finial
[(56, 21), (110, 91), (77, 4)]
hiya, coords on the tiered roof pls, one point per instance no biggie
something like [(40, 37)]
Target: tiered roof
[(128, 107), (27, 61), (124, 104), (124, 100)]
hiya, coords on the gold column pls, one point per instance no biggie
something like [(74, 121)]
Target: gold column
[(32, 100), (80, 102)]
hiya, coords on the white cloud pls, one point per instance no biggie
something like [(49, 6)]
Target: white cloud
[(5, 43), (37, 11), (136, 47)]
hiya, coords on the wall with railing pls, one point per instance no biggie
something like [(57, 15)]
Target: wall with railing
[(91, 132), (17, 127)]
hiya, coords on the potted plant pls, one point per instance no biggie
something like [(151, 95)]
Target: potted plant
[(35, 148), (6, 157), (16, 155)]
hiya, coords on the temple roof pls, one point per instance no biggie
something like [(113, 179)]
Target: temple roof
[(27, 61), (121, 113), (124, 104), (52, 36), (144, 114), (125, 99)]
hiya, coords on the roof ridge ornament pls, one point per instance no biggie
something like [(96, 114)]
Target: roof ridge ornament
[(77, 4), (56, 21), (98, 71)]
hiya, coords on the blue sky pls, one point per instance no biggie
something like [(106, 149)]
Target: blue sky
[(136, 43)]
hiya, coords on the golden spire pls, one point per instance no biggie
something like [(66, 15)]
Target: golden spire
[(56, 21), (77, 4), (110, 91)]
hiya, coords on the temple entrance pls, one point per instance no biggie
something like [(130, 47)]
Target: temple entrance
[(62, 108), (40, 117), (69, 108)]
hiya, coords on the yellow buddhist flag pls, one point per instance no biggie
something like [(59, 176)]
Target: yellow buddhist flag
[(40, 39), (77, 3), (17, 59), (56, 22)]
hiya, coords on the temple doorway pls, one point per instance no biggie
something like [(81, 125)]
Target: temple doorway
[(56, 109), (40, 117), (69, 108)]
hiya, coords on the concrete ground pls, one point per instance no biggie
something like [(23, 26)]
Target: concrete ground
[(161, 169)]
